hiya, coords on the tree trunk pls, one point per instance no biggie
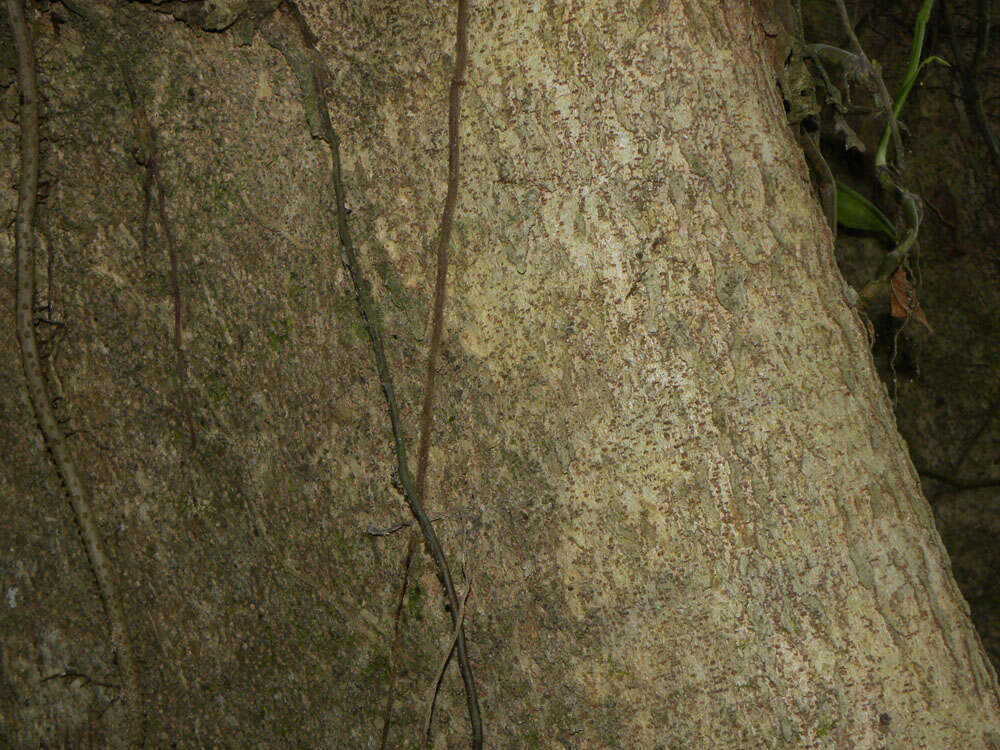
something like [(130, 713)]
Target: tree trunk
[(663, 459)]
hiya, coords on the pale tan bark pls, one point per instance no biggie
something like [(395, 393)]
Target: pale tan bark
[(661, 448), (731, 547)]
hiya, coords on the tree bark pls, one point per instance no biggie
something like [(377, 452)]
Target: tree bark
[(660, 448)]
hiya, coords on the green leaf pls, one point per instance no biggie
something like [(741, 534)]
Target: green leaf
[(935, 59), (854, 211), (913, 68)]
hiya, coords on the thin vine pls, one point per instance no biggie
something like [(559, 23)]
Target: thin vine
[(397, 642), (320, 118), (146, 155), (37, 389)]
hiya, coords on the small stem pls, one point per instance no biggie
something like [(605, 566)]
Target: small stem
[(876, 76)]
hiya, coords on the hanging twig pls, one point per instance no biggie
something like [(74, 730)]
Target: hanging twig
[(37, 390)]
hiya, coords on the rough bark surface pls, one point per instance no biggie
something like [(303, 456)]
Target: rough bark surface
[(660, 446)]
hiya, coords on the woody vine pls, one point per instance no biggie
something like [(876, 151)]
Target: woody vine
[(305, 60)]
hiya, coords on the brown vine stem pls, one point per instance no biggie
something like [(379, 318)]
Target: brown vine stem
[(385, 377), (437, 324), (405, 478), (313, 90), (37, 390), (397, 641), (146, 155), (426, 736)]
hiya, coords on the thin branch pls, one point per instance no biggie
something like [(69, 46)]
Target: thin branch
[(827, 183), (37, 390), (983, 15), (385, 377), (145, 154), (437, 326)]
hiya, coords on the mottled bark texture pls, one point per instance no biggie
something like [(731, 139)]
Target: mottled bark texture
[(660, 448)]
